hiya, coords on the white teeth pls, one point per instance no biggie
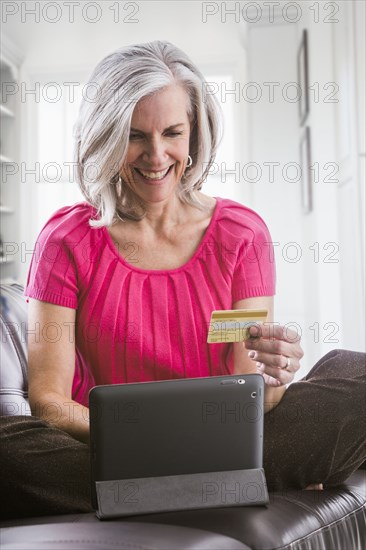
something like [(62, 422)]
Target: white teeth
[(154, 175)]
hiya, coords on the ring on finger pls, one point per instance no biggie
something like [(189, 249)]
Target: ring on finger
[(288, 364)]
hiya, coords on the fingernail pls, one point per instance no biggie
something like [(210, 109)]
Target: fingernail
[(253, 331), (252, 354)]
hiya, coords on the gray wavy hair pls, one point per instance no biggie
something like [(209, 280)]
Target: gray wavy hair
[(102, 128)]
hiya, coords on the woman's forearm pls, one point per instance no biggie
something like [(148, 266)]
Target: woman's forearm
[(64, 414)]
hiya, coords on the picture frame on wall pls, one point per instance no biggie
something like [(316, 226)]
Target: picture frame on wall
[(303, 77), (306, 173)]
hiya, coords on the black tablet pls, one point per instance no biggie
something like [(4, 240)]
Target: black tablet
[(176, 427)]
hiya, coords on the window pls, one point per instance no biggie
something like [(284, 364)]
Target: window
[(222, 171), (56, 114)]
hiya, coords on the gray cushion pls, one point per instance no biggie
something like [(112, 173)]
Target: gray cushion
[(13, 366)]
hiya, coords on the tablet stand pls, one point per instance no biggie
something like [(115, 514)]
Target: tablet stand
[(181, 492)]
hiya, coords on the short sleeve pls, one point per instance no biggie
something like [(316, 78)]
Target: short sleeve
[(52, 274), (255, 271)]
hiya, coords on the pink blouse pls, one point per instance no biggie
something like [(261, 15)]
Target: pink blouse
[(136, 324)]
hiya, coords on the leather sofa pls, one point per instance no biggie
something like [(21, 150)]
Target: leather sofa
[(297, 520)]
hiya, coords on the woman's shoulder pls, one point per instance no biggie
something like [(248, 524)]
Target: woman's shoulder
[(233, 213), (69, 224), (69, 218), (73, 213)]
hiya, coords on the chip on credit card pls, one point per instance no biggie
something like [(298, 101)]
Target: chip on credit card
[(232, 325)]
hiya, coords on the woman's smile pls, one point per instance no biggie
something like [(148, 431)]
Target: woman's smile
[(154, 177)]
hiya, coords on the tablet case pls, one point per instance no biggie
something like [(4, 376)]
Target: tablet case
[(177, 444)]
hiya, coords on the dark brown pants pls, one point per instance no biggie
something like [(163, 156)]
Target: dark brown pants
[(316, 434)]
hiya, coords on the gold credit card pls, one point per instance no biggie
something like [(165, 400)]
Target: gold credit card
[(232, 325)]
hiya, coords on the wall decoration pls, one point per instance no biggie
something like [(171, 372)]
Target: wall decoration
[(306, 173), (303, 77)]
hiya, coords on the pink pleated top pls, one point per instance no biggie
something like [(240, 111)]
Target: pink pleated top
[(133, 324)]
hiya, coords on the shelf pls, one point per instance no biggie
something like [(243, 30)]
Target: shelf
[(6, 65), (10, 107), (5, 111), (5, 261), (11, 281), (6, 210), (6, 160)]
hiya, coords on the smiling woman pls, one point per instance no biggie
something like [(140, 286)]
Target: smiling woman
[(131, 277)]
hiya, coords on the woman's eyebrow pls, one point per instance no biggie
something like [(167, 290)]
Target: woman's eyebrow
[(172, 127)]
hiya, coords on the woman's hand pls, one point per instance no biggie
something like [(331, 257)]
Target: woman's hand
[(277, 351)]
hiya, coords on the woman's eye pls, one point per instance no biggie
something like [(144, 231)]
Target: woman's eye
[(134, 137)]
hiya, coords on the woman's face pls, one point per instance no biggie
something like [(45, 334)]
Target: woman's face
[(158, 144)]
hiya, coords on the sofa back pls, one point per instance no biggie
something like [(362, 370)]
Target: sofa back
[(13, 355)]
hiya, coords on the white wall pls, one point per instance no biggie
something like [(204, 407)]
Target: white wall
[(272, 135), (323, 278), (348, 41), (68, 45), (325, 292), (336, 60)]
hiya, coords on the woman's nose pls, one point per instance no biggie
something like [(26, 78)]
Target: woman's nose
[(155, 152)]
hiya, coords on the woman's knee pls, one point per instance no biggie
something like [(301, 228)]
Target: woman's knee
[(13, 428), (44, 470), (340, 364)]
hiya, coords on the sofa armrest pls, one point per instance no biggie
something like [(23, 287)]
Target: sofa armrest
[(14, 356)]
